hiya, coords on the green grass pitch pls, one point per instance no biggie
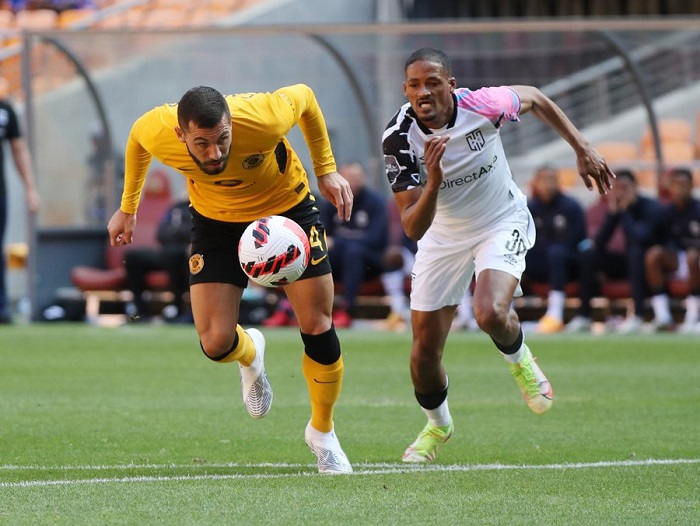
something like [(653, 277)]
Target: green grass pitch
[(132, 425)]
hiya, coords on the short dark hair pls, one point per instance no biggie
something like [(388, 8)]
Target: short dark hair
[(202, 105), (431, 55), (625, 173), (682, 171)]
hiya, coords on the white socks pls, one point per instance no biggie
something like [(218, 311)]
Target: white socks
[(692, 309), (393, 286), (440, 416), (555, 305), (662, 310), (516, 356)]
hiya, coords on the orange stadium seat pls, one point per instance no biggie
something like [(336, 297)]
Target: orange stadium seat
[(164, 18), (568, 177), (36, 19), (616, 151), (227, 5), (670, 130), (183, 5), (70, 17), (7, 19), (674, 154)]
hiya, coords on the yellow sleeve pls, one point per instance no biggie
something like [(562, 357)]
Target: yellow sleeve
[(313, 126), (136, 162)]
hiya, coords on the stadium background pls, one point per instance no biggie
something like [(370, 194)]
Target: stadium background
[(614, 75)]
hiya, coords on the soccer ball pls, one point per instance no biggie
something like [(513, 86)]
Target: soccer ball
[(274, 251)]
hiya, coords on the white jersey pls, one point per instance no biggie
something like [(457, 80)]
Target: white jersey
[(478, 190)]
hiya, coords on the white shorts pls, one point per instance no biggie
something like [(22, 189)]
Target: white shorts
[(444, 268)]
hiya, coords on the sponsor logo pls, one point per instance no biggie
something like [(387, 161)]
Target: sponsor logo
[(471, 177), (253, 161), (229, 182), (316, 261), (393, 168), (510, 258), (196, 264)]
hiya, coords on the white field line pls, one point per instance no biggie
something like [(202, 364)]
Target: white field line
[(360, 469)]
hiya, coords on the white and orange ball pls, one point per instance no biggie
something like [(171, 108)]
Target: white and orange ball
[(274, 251)]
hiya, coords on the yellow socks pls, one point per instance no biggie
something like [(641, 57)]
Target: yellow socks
[(324, 383), (244, 353)]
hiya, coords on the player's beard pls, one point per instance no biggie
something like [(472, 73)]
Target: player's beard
[(207, 167)]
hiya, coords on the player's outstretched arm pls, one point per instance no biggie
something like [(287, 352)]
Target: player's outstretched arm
[(591, 165)]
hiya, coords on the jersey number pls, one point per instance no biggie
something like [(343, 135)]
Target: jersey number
[(315, 239), (516, 245)]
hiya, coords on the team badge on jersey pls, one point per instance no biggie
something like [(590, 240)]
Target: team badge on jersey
[(475, 140), (196, 264), (252, 161)]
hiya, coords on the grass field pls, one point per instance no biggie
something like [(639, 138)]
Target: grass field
[(133, 425)]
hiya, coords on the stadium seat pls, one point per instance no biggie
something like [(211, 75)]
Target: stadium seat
[(616, 151), (183, 5), (568, 177), (36, 19), (670, 130), (675, 153), (7, 19), (70, 17), (541, 290), (163, 18), (100, 283)]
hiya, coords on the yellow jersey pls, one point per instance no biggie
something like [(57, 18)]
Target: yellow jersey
[(264, 175)]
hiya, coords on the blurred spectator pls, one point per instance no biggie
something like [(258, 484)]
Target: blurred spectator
[(55, 5), (282, 316), (561, 228), (106, 169), (355, 247), (10, 132), (464, 317), (398, 263), (679, 257), (639, 217), (172, 256)]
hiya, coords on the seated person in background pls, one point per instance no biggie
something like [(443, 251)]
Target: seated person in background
[(679, 257), (172, 256), (639, 218), (355, 247), (398, 263), (561, 228), (464, 317), (283, 315)]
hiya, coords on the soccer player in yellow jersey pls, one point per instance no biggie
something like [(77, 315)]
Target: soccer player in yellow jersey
[(239, 167)]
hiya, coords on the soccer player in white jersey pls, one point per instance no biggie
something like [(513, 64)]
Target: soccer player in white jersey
[(447, 168)]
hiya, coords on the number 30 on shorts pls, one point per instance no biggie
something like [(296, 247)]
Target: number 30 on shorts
[(516, 245)]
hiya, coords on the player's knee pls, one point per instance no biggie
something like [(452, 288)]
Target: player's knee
[(491, 316), (654, 256), (323, 348), (216, 344), (425, 355)]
